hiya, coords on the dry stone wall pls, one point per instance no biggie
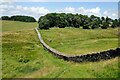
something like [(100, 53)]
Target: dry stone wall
[(104, 55)]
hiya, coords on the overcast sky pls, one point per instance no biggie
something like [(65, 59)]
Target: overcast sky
[(37, 9)]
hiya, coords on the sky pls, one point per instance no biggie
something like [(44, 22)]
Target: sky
[(37, 9)]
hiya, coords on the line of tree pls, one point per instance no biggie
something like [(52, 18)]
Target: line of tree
[(19, 18), (63, 20)]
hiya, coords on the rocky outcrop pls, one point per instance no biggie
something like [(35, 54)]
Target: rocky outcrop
[(104, 55)]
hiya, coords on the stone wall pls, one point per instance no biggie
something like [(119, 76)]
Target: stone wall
[(104, 55)]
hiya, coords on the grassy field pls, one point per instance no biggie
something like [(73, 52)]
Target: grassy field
[(74, 41), (17, 25), (24, 56)]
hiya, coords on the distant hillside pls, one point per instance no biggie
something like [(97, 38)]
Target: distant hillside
[(17, 25)]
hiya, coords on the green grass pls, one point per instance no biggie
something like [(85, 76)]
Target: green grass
[(74, 41), (17, 25), (24, 56)]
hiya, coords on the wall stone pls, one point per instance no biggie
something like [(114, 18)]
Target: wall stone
[(104, 55)]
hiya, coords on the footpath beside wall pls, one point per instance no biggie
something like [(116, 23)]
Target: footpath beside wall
[(104, 55)]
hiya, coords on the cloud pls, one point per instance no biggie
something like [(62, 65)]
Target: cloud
[(6, 2), (10, 9), (110, 13), (113, 14), (89, 11), (32, 10), (105, 12), (7, 9), (66, 10), (81, 10), (92, 11)]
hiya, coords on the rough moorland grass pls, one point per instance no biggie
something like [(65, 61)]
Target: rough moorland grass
[(24, 56), (17, 25), (78, 41)]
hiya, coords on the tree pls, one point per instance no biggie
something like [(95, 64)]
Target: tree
[(63, 20), (104, 25), (69, 18), (76, 21), (85, 22), (94, 22), (52, 17), (44, 23), (115, 23), (22, 18), (105, 22), (5, 18)]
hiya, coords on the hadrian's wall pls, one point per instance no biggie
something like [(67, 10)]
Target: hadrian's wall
[(104, 55)]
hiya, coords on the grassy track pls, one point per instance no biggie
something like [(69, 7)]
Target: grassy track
[(24, 56)]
